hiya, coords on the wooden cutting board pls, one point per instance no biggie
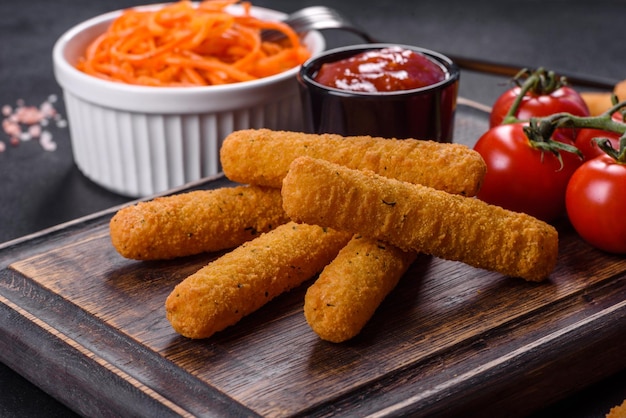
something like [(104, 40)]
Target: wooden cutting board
[(89, 327)]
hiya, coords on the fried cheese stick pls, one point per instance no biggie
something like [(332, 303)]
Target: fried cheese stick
[(195, 222), (243, 280), (349, 290), (263, 156), (419, 218)]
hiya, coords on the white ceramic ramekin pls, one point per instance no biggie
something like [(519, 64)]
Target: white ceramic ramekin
[(138, 141)]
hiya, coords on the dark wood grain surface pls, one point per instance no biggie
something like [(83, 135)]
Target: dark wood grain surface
[(449, 339)]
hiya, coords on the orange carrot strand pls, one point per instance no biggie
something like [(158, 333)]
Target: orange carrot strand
[(183, 44)]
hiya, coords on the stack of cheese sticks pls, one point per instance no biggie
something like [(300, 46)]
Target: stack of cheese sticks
[(355, 211)]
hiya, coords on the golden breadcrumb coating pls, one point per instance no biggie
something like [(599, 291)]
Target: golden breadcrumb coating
[(241, 281), (350, 289), (420, 218), (618, 411), (263, 156), (195, 222)]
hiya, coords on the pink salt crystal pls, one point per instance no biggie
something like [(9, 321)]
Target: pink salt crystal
[(11, 128), (47, 110), (24, 123), (46, 141), (34, 131), (29, 115)]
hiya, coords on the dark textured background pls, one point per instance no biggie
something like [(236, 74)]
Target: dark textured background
[(40, 189)]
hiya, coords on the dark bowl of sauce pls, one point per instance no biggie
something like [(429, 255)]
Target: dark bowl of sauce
[(385, 90)]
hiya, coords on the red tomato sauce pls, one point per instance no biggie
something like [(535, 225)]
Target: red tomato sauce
[(381, 70)]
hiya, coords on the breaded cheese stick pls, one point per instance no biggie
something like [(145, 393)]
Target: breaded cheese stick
[(349, 290), (420, 218), (243, 280), (195, 222), (263, 156)]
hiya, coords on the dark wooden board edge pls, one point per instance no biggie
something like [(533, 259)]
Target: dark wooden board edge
[(595, 341), (68, 354), (48, 236), (546, 367), (594, 336), (542, 363), (43, 362), (44, 350)]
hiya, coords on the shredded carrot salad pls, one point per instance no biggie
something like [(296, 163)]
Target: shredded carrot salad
[(183, 44)]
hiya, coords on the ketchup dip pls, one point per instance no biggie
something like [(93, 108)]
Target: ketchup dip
[(381, 70), (381, 90)]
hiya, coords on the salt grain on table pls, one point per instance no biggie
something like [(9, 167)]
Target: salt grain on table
[(24, 123)]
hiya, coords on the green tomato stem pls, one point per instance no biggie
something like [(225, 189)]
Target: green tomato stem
[(539, 133), (540, 130), (540, 82), (618, 155)]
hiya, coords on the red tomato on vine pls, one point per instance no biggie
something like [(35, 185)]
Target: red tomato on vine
[(585, 138), (596, 202), (525, 175), (586, 144), (541, 94)]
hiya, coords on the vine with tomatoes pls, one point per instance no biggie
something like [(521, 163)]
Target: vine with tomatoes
[(546, 156)]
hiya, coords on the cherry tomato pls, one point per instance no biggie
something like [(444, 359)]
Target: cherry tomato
[(563, 99), (589, 148), (586, 144), (596, 203), (522, 178)]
